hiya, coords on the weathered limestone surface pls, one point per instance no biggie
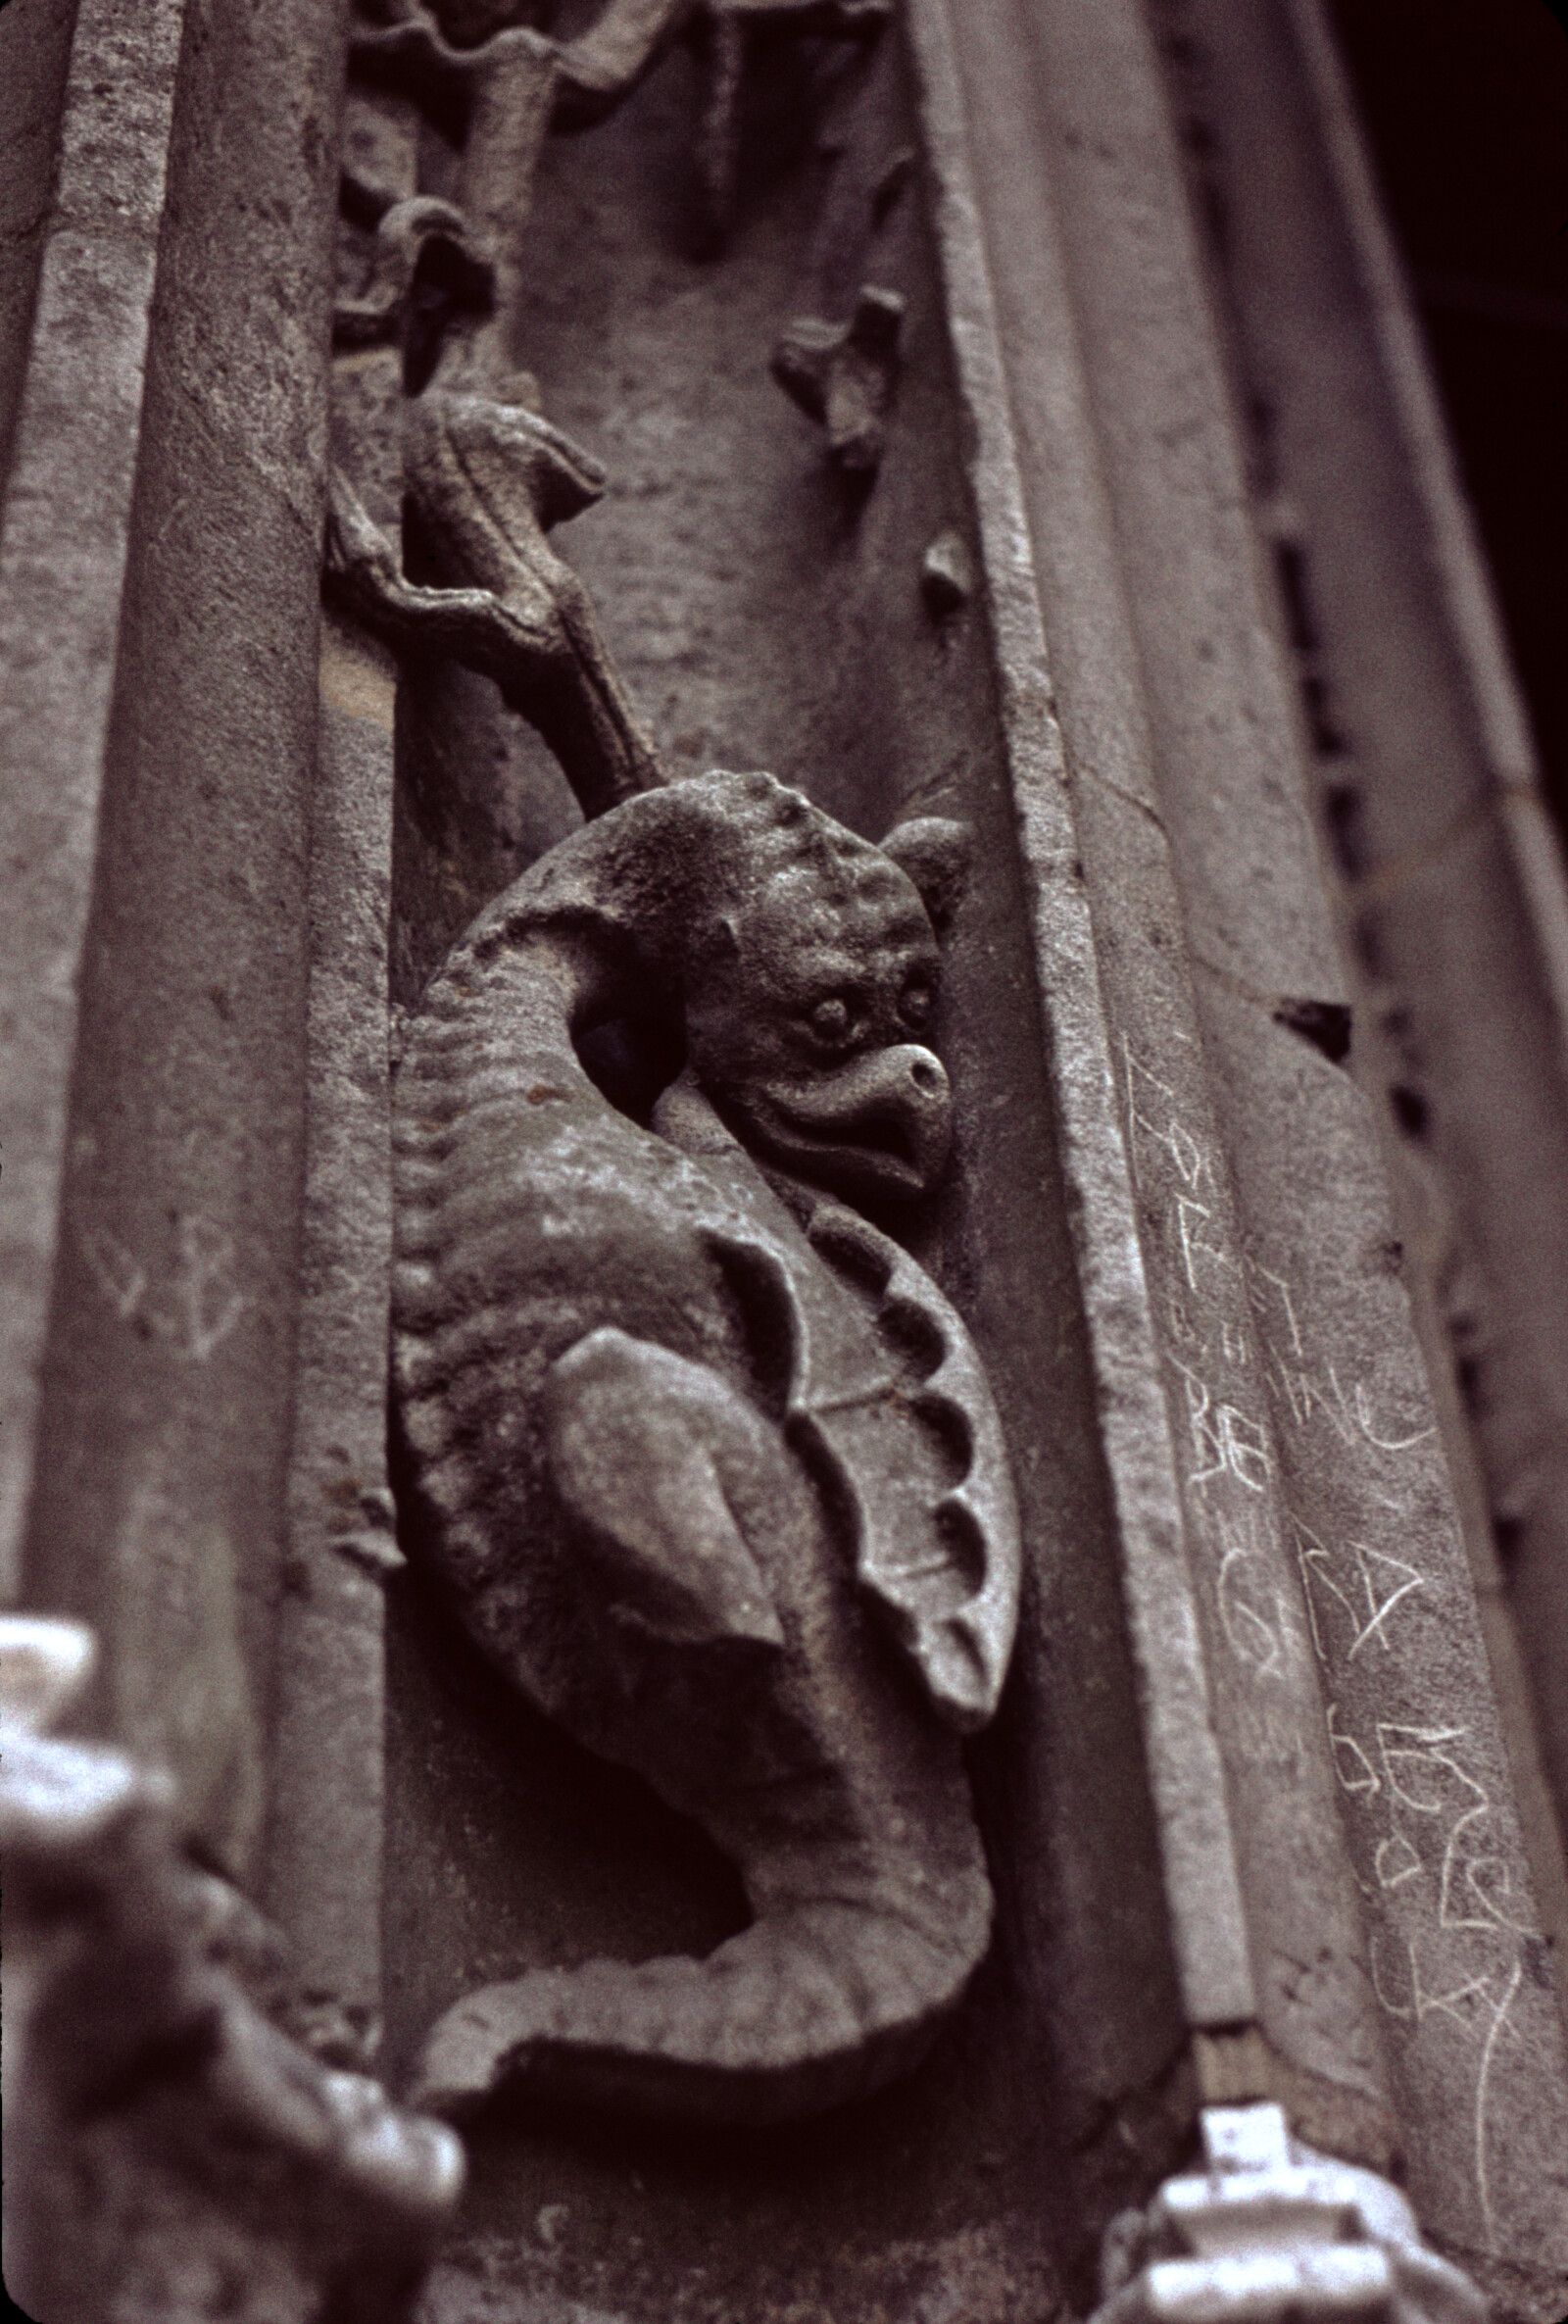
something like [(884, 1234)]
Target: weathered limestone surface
[(170, 2154), (167, 656), (1345, 1657), (1450, 887), (1247, 1807), (757, 618), (325, 1840), (34, 50), (75, 400)]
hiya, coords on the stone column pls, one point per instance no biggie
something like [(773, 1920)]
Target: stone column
[(158, 579), (1349, 1903)]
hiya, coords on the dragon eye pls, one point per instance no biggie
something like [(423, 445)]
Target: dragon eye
[(916, 1004), (830, 1020)]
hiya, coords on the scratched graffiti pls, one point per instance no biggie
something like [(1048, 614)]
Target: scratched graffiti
[(194, 1308), (1351, 1591), (1336, 1589), (1452, 1964)]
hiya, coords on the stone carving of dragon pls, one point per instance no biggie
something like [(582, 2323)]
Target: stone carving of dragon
[(707, 1462)]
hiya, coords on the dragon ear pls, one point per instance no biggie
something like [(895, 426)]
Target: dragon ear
[(935, 854)]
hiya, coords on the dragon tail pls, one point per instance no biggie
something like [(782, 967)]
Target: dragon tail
[(816, 2004)]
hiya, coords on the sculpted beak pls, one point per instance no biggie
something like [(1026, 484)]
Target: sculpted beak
[(881, 1125)]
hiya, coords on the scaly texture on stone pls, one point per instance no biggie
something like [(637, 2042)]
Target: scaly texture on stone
[(703, 1456), (757, 624)]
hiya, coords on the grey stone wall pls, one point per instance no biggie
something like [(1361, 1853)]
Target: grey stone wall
[(1255, 1016), (161, 551)]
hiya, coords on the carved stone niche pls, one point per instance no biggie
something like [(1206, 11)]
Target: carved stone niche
[(883, 1706), (689, 1893)]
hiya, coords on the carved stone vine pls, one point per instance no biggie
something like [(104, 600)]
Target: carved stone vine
[(844, 374), (487, 482), (440, 295)]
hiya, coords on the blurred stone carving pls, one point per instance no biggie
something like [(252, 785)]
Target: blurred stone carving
[(844, 374), (1272, 2233), (170, 2154), (419, 233), (708, 1461), (947, 574), (487, 482)]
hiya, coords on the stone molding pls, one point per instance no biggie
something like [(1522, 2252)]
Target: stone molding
[(1275, 893)]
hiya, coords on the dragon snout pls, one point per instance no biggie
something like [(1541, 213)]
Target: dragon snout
[(910, 1101), (886, 1118)]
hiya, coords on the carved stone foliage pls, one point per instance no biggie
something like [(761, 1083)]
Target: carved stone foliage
[(708, 1461), (447, 479), (486, 480), (170, 2154)]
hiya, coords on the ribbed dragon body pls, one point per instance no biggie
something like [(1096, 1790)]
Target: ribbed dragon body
[(707, 1463)]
